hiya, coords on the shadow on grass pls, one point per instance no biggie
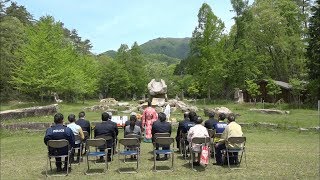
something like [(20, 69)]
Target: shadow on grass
[(197, 168)]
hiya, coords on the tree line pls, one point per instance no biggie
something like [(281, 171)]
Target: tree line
[(271, 39)]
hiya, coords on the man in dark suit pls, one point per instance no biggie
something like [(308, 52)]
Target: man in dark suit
[(211, 121), (57, 132), (107, 128), (161, 126), (84, 124), (180, 127)]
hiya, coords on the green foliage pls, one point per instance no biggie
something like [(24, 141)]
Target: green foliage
[(313, 52), (253, 89), (114, 78), (50, 64), (273, 89), (298, 87), (172, 47)]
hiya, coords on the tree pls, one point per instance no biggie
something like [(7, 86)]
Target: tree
[(313, 52), (12, 33), (297, 89), (206, 61), (52, 65), (114, 78), (273, 89), (253, 89)]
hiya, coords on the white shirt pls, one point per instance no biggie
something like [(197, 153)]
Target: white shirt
[(197, 131), (75, 129)]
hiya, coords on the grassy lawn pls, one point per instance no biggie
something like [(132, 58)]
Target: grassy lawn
[(278, 154)]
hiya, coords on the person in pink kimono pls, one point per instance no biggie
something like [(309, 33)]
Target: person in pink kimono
[(148, 117)]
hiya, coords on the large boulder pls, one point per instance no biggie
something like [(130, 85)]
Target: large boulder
[(157, 87), (29, 112)]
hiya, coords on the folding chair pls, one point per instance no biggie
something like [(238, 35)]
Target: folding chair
[(79, 148), (240, 143), (108, 139), (86, 136), (211, 133), (93, 125), (201, 141), (183, 145), (55, 144), (164, 141), (131, 146), (96, 144)]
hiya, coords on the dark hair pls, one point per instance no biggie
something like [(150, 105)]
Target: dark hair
[(162, 116), (211, 114), (58, 118), (186, 114), (231, 117), (133, 119), (198, 120), (72, 118), (82, 114), (193, 116), (105, 116), (149, 103), (222, 116)]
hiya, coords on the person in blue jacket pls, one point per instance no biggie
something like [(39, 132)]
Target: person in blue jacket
[(59, 131)]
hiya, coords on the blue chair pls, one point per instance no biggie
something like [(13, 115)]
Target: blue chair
[(92, 146), (131, 147), (164, 141)]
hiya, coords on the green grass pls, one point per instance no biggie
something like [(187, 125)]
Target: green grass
[(278, 154)]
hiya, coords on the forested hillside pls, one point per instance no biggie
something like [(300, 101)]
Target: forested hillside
[(271, 39), (172, 47)]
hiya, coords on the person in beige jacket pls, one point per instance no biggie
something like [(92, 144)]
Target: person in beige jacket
[(233, 129)]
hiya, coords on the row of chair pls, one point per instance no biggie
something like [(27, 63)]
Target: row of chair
[(209, 141), (131, 147)]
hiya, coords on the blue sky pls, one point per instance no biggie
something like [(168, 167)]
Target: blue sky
[(110, 23)]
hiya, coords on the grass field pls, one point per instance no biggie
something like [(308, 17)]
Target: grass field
[(278, 154), (271, 153)]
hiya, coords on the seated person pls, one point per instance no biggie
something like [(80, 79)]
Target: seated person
[(138, 123), (219, 126), (107, 128), (180, 127), (211, 121), (132, 128), (233, 129), (84, 124), (161, 126), (57, 132), (77, 130), (197, 131), (188, 124)]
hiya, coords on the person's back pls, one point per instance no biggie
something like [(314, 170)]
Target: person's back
[(76, 129), (161, 126), (84, 124), (58, 132), (220, 126), (180, 127), (211, 121), (188, 124), (132, 128)]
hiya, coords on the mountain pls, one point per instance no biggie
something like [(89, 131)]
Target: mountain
[(172, 47), (110, 53)]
